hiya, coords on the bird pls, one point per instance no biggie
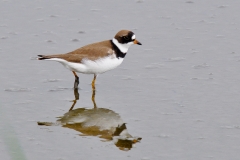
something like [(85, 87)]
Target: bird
[(96, 58)]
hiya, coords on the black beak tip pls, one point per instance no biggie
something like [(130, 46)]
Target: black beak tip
[(139, 43)]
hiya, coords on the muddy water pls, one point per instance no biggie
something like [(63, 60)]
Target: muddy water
[(174, 97)]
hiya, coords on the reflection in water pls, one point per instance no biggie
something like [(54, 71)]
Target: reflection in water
[(100, 122)]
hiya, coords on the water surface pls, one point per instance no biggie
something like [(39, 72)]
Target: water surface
[(179, 91)]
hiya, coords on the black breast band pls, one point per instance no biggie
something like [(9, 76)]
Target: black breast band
[(117, 51)]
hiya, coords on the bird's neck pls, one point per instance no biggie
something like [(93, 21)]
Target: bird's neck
[(122, 47), (118, 50)]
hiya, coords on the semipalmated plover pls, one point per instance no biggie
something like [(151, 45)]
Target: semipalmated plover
[(96, 58)]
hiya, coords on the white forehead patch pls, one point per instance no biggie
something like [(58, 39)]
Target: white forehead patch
[(133, 37)]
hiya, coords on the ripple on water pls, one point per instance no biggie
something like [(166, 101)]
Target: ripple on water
[(40, 20), (201, 66), (189, 2), (59, 89), (12, 33), (163, 136), (4, 37), (53, 16), (81, 32), (51, 80), (139, 1), (175, 59), (153, 66), (50, 41), (95, 10), (17, 90), (223, 6), (24, 102), (75, 40), (231, 127), (127, 78), (204, 79)]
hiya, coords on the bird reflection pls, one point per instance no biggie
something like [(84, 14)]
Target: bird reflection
[(101, 122)]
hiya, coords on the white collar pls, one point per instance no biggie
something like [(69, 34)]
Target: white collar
[(122, 47)]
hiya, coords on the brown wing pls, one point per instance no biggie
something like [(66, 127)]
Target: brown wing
[(91, 52)]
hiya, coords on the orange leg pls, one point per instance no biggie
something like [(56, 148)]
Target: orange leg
[(76, 80), (93, 90), (93, 98), (93, 81)]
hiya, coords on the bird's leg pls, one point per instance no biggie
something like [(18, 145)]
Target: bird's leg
[(93, 90), (76, 80), (93, 82), (76, 94), (93, 98)]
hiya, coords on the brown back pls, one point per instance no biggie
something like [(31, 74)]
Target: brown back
[(91, 52)]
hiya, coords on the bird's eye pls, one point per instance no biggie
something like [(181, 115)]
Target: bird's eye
[(126, 38)]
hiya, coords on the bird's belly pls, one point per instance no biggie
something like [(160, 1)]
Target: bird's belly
[(94, 67), (101, 65)]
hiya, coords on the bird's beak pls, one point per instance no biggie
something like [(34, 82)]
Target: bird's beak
[(136, 42)]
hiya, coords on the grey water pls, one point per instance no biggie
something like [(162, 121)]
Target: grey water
[(174, 97)]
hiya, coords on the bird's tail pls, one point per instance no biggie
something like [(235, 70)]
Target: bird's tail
[(47, 124), (42, 57)]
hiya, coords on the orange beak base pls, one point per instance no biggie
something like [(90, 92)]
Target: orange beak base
[(136, 42)]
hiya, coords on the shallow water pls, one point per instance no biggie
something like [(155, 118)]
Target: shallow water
[(179, 91)]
